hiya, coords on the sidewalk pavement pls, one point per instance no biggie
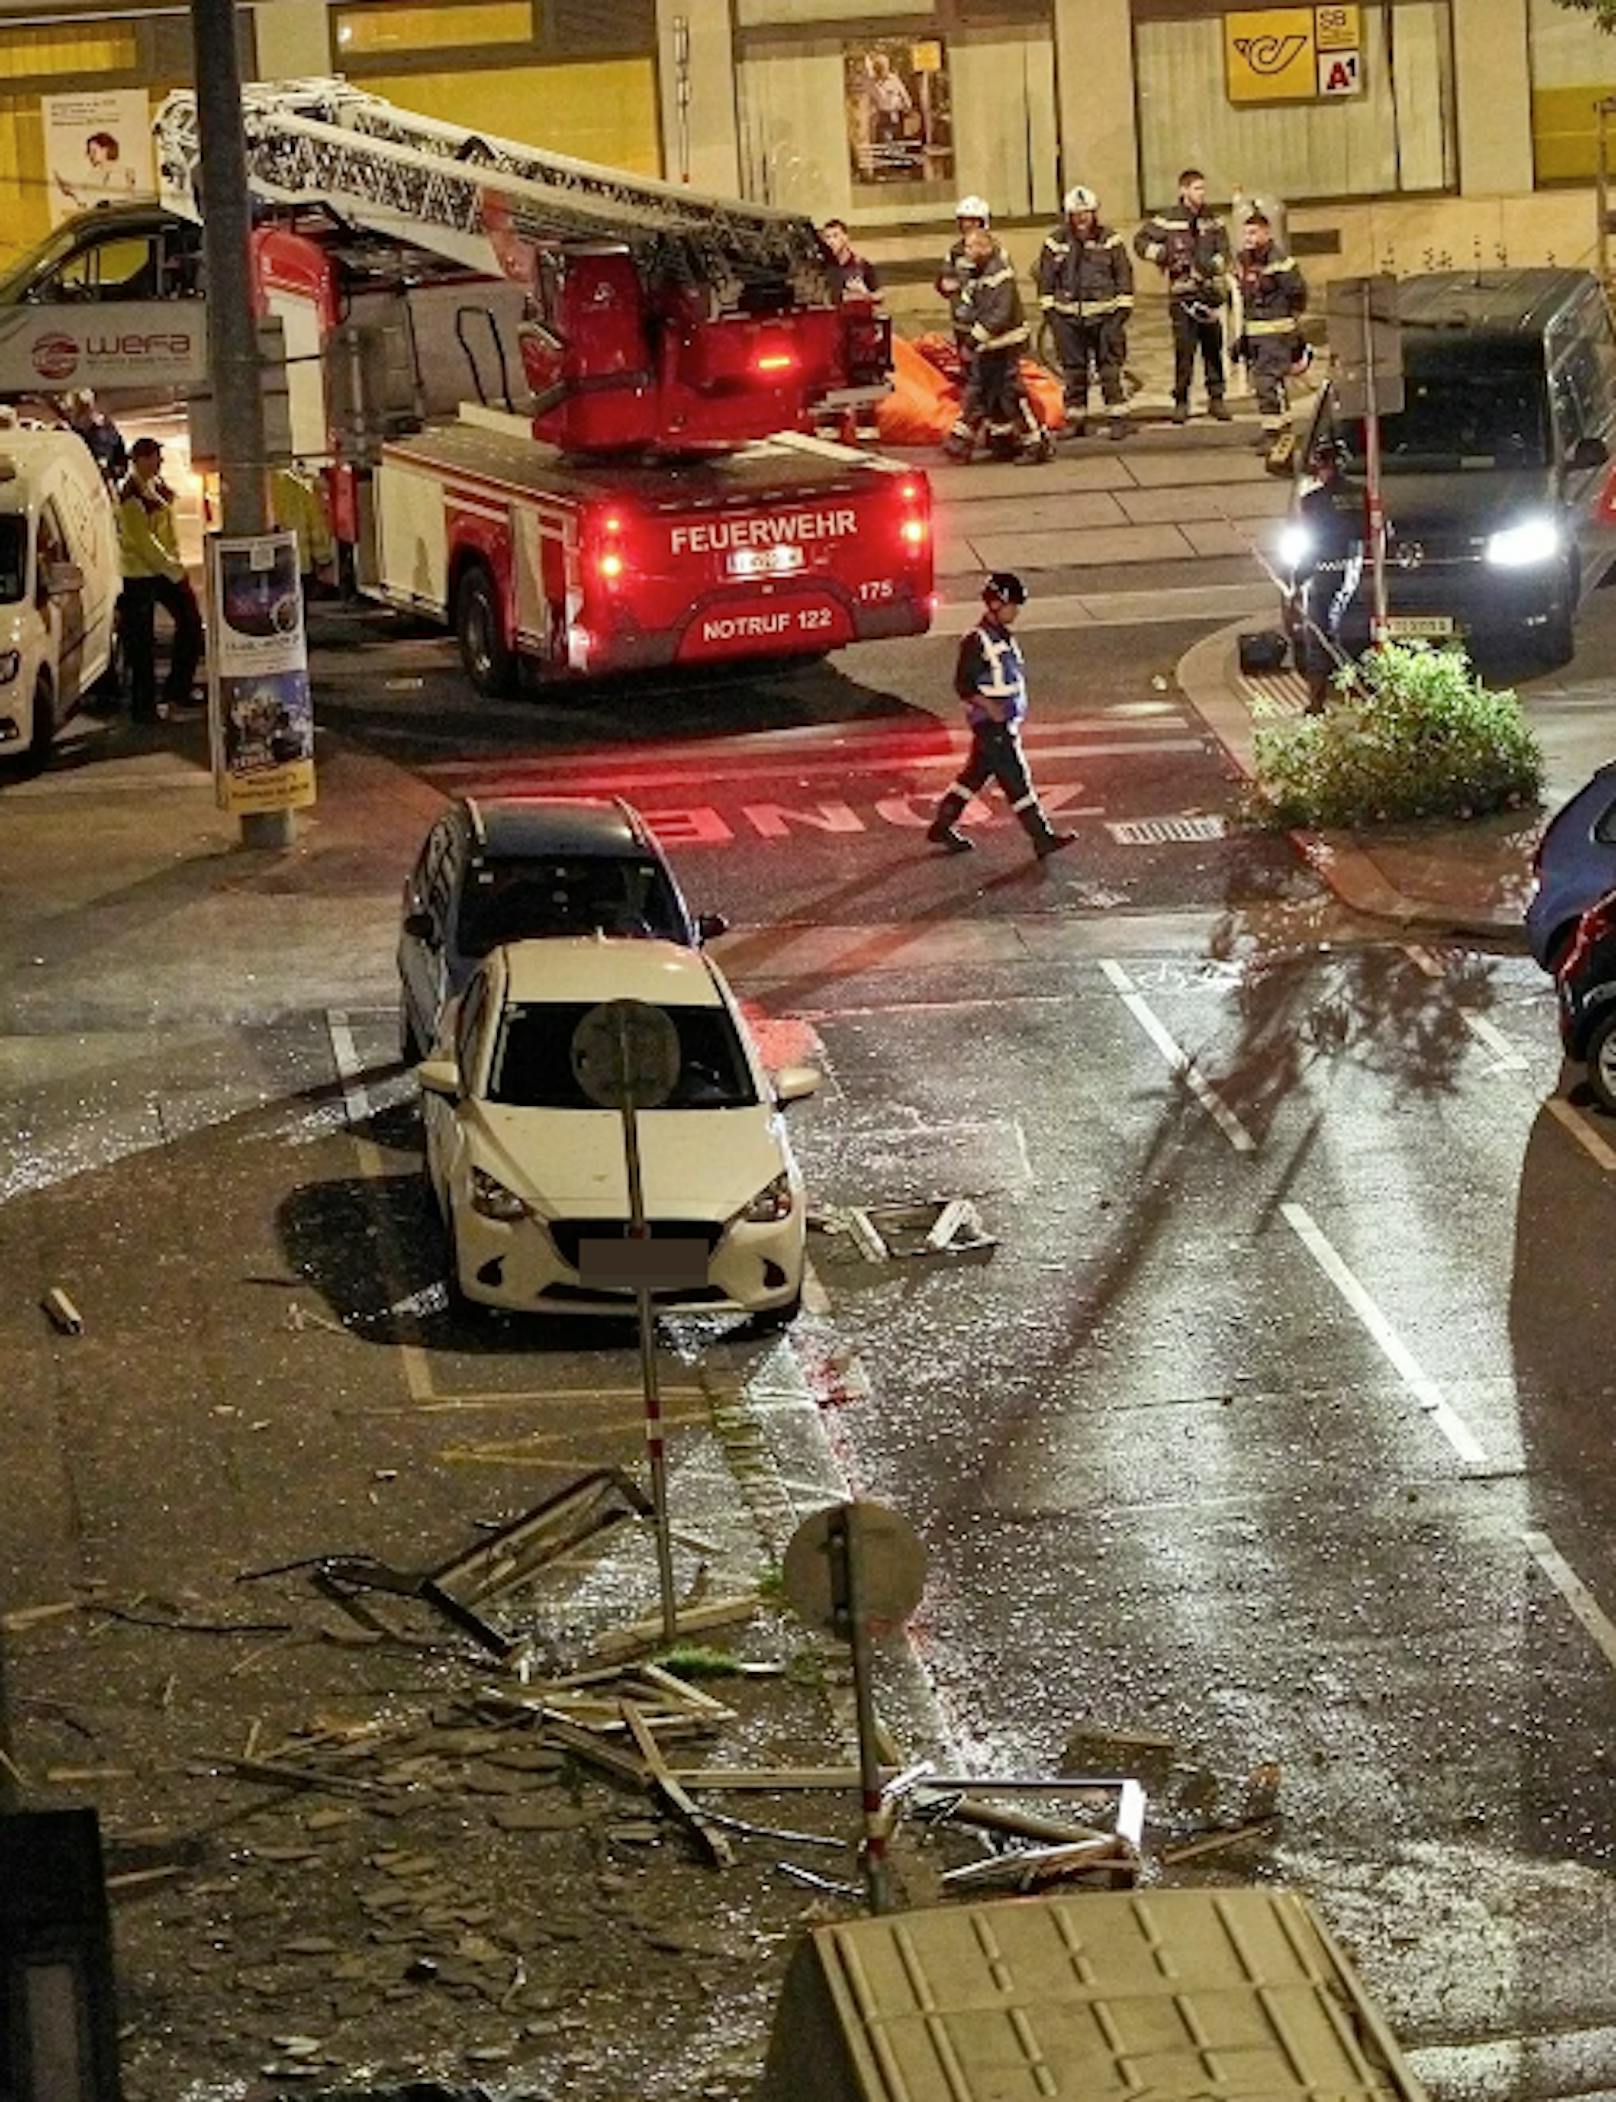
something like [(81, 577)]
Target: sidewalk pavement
[(1458, 879)]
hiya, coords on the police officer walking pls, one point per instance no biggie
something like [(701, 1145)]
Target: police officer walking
[(988, 309), (1274, 294), (1085, 286), (1190, 246), (1329, 572), (991, 679)]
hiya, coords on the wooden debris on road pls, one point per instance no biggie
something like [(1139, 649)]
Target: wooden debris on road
[(714, 1846), (64, 1315), (1026, 1867), (1219, 1842)]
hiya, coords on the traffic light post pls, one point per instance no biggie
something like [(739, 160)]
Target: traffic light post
[(233, 361)]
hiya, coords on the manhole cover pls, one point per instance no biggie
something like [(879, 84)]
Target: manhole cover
[(1166, 831)]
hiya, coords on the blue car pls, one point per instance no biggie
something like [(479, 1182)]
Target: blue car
[(513, 869), (1575, 864)]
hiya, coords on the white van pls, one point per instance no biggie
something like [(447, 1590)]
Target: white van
[(60, 578)]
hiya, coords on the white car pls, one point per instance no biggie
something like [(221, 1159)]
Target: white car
[(59, 583), (530, 1177)]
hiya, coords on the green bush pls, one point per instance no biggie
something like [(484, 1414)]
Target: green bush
[(1419, 737)]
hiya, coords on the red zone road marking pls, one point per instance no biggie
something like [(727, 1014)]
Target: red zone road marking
[(705, 825)]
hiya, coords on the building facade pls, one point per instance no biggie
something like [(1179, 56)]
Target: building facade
[(1405, 133)]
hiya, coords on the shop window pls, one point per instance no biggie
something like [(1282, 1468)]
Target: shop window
[(595, 110), (1573, 68), (374, 32), (64, 52), (1393, 133)]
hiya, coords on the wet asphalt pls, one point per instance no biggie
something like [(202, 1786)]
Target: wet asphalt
[(1276, 1420)]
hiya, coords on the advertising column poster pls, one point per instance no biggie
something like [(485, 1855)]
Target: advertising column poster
[(260, 711), (98, 147)]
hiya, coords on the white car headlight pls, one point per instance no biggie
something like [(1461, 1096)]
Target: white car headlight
[(769, 1205), (492, 1200), (10, 665), (1294, 545), (1525, 545)]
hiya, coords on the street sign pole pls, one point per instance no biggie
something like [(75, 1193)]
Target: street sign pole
[(847, 1594), (655, 1444), (232, 326), (1374, 508)]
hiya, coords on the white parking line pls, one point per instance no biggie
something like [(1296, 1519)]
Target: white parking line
[(1574, 1591), (350, 1071), (1178, 1059), (1397, 1353), (1582, 1131)]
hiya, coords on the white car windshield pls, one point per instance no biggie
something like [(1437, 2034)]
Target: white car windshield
[(532, 1066)]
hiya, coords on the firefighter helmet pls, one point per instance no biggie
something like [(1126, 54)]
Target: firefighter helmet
[(1005, 585), (1079, 199), (974, 208)]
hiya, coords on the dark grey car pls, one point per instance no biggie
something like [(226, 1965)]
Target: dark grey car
[(514, 869)]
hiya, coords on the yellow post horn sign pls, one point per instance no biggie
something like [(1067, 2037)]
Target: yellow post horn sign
[(1293, 54)]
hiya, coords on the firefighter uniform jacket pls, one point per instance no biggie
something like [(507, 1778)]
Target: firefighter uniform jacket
[(989, 675), (957, 265), (1192, 249), (988, 308), (1273, 290), (1086, 277)]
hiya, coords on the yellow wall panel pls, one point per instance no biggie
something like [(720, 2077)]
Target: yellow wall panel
[(67, 51), (366, 32), (24, 194), (1565, 133), (600, 111)]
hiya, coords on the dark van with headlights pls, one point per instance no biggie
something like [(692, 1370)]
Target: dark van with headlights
[(1497, 469)]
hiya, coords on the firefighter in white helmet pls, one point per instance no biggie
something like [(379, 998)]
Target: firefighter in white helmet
[(1085, 286), (971, 214)]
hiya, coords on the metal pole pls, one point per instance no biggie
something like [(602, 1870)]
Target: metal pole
[(654, 1445), (848, 1592), (232, 322), (1374, 510)]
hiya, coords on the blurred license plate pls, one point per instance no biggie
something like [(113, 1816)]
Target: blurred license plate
[(764, 561), (1409, 626)]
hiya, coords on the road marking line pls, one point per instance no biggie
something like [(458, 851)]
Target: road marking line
[(1510, 1058), (1423, 960), (350, 1072), (1580, 1129), (1397, 1353), (815, 1299), (1178, 1059), (1574, 1591)]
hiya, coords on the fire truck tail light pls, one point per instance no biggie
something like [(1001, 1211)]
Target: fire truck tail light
[(910, 492), (774, 361), (913, 531), (611, 565)]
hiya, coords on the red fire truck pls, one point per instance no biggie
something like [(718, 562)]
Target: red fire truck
[(641, 484)]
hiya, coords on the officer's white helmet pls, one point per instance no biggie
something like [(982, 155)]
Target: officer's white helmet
[(1080, 200), (974, 208)]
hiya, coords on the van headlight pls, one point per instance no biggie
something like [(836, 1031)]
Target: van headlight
[(10, 665), (770, 1205), (1525, 545), (491, 1200), (1294, 545)]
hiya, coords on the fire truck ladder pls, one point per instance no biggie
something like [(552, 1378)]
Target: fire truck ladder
[(461, 194)]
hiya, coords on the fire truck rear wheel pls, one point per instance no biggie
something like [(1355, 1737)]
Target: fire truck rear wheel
[(487, 656)]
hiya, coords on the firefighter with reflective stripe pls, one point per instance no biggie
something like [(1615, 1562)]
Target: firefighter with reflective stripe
[(991, 679), (1190, 246), (971, 214), (988, 309), (1085, 286), (1274, 293)]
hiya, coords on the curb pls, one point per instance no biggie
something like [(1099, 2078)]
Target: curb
[(1207, 677)]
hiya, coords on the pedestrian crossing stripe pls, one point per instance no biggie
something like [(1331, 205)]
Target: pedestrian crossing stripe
[(1165, 831), (1275, 693)]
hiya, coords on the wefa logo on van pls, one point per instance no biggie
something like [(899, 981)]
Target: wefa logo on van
[(56, 357)]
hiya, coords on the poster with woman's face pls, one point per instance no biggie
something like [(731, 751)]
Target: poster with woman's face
[(98, 150), (899, 118)]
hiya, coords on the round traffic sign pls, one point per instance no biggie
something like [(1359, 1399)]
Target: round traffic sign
[(891, 1562), (625, 1055)]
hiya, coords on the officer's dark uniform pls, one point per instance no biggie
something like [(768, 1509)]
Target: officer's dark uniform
[(991, 679), (988, 310), (1328, 580), (1192, 250), (1085, 285), (950, 283), (1274, 293)]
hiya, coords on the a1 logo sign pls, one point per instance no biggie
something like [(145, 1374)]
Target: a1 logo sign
[(1338, 73)]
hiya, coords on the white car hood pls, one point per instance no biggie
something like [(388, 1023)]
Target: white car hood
[(568, 1163)]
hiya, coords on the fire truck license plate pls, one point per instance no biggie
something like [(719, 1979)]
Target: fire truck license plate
[(764, 561)]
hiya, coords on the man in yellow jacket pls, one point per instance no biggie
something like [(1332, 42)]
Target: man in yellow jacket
[(153, 576)]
